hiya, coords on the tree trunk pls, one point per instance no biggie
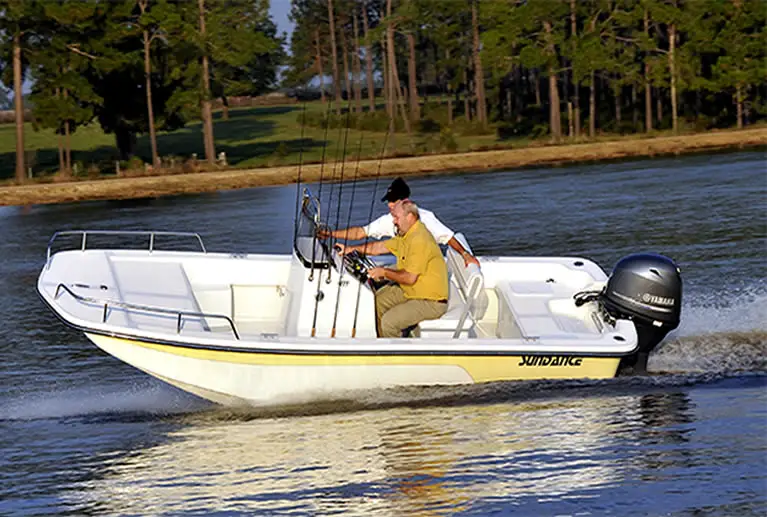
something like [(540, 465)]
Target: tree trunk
[(59, 141), (207, 112), (318, 61), (672, 73), (345, 52), (618, 111), (149, 109), (479, 76), (466, 106), (336, 81), (18, 105), (387, 80), (67, 146), (739, 102), (518, 92), (357, 65), (576, 85), (390, 74), (537, 85), (394, 83), (647, 87), (415, 107), (449, 93), (369, 63), (67, 143), (555, 121), (635, 112), (659, 105), (554, 114), (592, 106), (225, 107)]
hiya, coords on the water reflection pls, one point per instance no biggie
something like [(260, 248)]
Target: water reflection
[(422, 461), (667, 428)]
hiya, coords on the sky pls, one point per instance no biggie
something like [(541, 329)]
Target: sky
[(280, 10)]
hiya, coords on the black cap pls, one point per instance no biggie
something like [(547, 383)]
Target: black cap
[(397, 191)]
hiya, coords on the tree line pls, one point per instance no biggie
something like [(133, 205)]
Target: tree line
[(135, 66), (566, 67)]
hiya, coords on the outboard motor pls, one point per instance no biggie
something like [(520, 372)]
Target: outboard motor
[(645, 288)]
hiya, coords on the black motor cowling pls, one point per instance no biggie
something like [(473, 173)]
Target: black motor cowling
[(647, 289)]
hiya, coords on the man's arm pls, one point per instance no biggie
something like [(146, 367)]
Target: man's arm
[(356, 233), (400, 276), (368, 248), (468, 258), (445, 235)]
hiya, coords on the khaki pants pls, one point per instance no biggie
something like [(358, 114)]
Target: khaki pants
[(394, 312)]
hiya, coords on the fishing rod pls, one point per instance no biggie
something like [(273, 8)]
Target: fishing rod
[(335, 166), (319, 196), (298, 179), (318, 296), (338, 217), (367, 237)]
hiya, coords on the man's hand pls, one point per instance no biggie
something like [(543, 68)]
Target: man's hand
[(468, 258), (324, 233), (377, 273)]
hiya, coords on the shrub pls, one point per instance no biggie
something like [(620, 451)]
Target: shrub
[(447, 140)]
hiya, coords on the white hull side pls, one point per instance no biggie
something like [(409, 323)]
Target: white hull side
[(232, 383)]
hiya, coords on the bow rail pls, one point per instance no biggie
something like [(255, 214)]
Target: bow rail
[(180, 315), (150, 233)]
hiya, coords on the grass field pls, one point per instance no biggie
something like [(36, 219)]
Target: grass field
[(263, 145), (252, 137)]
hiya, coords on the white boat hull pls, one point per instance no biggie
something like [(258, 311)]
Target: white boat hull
[(232, 378)]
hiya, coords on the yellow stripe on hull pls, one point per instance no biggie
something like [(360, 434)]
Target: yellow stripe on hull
[(480, 368)]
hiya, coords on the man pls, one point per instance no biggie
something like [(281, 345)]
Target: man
[(384, 226), (421, 288)]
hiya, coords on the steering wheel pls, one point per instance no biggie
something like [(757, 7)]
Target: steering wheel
[(358, 266)]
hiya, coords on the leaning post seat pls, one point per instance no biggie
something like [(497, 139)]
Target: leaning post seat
[(466, 295)]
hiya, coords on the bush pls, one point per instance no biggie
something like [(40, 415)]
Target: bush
[(428, 125), (447, 140), (508, 130), (470, 128)]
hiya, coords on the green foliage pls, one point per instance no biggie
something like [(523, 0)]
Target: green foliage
[(742, 38), (447, 140)]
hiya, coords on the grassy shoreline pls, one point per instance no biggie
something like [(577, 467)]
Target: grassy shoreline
[(478, 161)]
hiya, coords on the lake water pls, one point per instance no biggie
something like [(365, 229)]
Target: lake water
[(82, 433)]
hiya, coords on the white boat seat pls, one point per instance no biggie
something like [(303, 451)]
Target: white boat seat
[(531, 314), (467, 300)]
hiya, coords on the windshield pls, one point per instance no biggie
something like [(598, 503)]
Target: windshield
[(310, 250)]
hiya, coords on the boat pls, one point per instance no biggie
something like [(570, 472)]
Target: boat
[(261, 329)]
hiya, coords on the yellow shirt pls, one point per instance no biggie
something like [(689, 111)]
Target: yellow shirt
[(417, 252)]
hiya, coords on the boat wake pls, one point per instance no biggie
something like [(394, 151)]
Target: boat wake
[(717, 336), (146, 399)]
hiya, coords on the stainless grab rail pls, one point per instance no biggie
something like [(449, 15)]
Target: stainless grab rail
[(144, 308), (308, 200), (150, 233)]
